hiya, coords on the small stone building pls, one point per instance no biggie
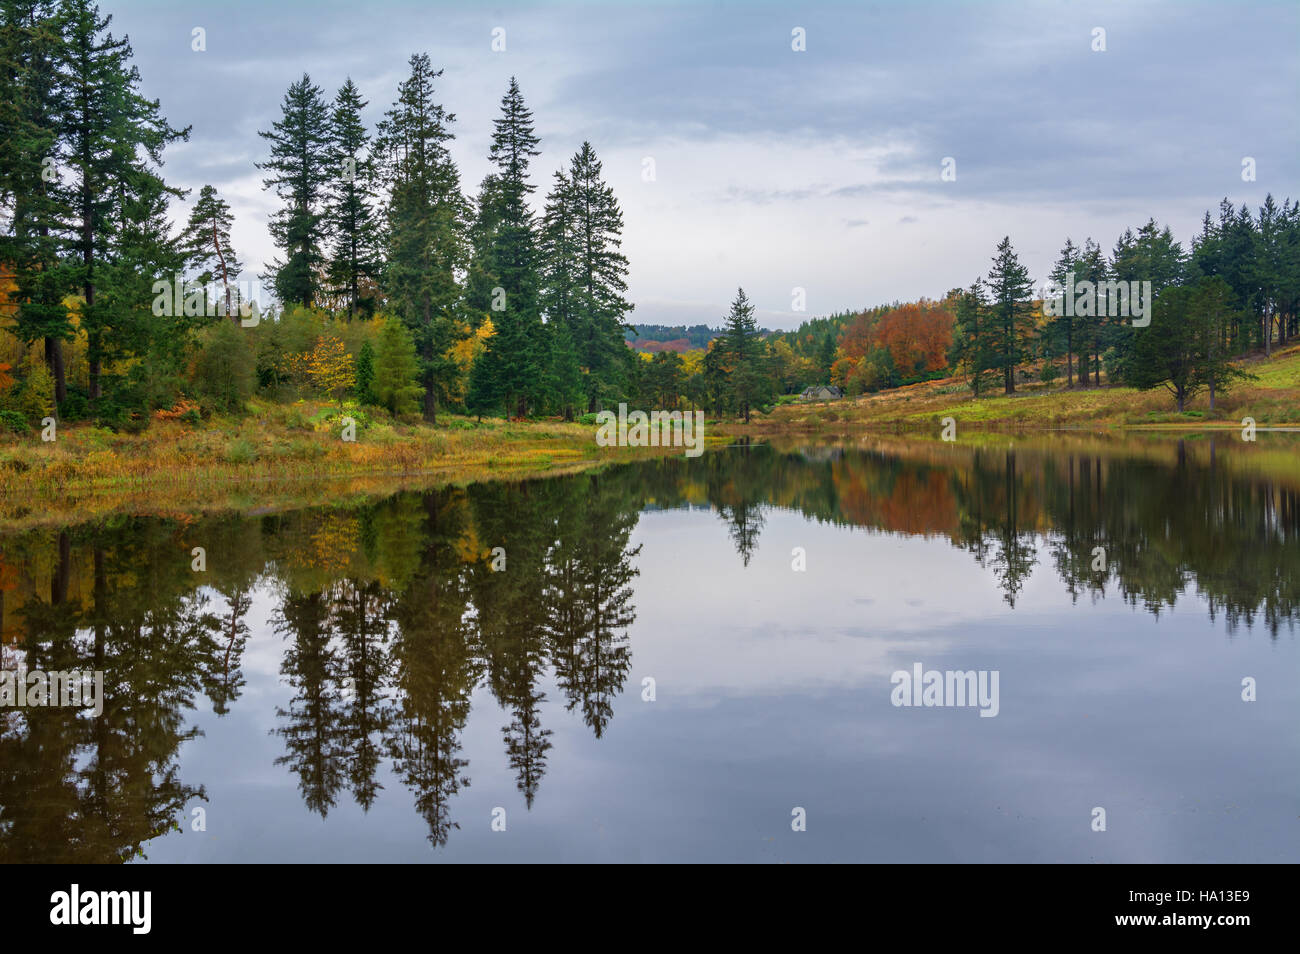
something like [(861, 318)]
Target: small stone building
[(821, 392)]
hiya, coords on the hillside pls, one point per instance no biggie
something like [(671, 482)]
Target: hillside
[(1272, 398)]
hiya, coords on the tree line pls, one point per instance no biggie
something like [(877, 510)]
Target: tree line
[(1236, 291), (398, 291), (482, 304)]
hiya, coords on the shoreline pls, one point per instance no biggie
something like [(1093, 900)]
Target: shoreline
[(89, 474), (273, 458)]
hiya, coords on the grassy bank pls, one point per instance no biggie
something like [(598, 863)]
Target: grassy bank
[(291, 455), (1274, 457), (1272, 399), (278, 456)]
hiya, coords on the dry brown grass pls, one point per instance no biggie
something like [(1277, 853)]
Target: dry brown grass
[(272, 459)]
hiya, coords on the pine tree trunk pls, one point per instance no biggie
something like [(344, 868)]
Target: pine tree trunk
[(225, 275), (92, 337), (54, 361)]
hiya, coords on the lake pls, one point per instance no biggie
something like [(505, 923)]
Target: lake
[(685, 659)]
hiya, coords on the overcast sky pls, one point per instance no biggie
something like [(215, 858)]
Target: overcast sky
[(778, 169)]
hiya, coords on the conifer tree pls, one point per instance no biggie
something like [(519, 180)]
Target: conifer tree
[(504, 277), (1009, 312), (349, 205), (113, 140), (395, 384), (300, 174), (207, 247), (35, 202), (427, 225), (744, 349), (483, 396), (564, 375), (1063, 326), (972, 337), (585, 273)]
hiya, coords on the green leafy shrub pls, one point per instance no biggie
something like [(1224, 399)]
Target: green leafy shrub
[(331, 418), (122, 418), (13, 421), (226, 371), (35, 398), (75, 406)]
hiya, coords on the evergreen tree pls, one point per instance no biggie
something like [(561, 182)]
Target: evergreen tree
[(1149, 255), (484, 395), (504, 276), (1063, 327), (1089, 321), (113, 139), (1267, 270), (207, 247), (300, 172), (365, 374), (744, 349), (585, 274), (395, 384), (36, 204), (349, 205), (1165, 353), (664, 379), (1009, 312), (564, 375), (1183, 349), (1211, 315), (427, 224), (143, 251), (505, 246), (972, 337), (825, 358)]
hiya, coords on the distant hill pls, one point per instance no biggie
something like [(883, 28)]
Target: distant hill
[(677, 338)]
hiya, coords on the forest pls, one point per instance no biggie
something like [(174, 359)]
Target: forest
[(398, 297)]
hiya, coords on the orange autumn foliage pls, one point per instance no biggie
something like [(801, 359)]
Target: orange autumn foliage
[(857, 340), (917, 337)]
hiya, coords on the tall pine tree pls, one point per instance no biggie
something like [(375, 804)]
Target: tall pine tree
[(35, 203), (1063, 327), (504, 276), (113, 140), (427, 225), (1010, 312), (349, 205), (300, 173), (207, 246), (585, 273), (744, 350)]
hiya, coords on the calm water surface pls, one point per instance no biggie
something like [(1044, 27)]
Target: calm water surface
[(358, 683)]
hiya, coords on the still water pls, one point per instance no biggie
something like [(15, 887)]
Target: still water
[(683, 660)]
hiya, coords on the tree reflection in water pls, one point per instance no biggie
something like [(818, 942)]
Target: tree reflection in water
[(391, 613)]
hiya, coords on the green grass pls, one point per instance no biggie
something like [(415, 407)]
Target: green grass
[(179, 467), (1272, 398)]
